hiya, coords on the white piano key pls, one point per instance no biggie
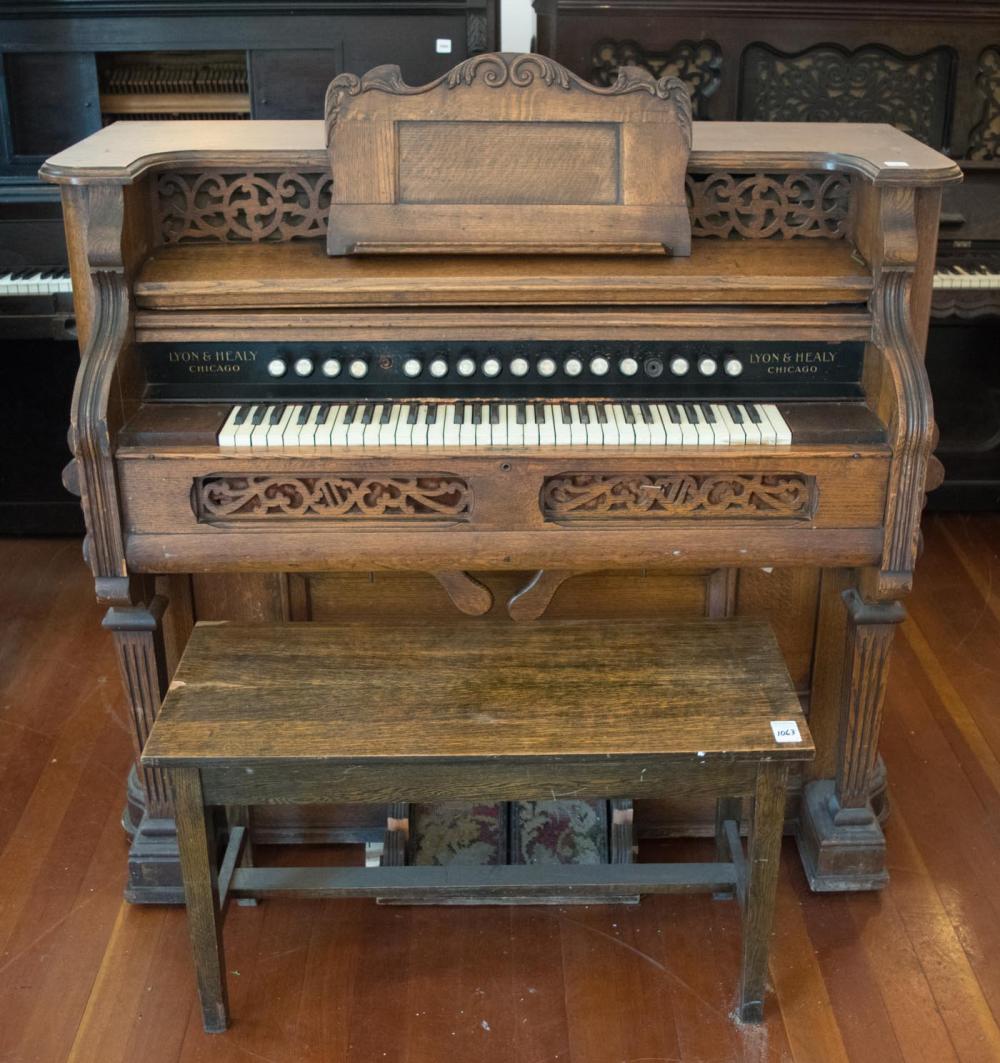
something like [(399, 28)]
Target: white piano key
[(324, 430), (501, 430), (720, 427), (484, 430), (751, 431), (657, 432), (333, 423), (704, 436), (642, 434), (227, 433), (442, 431), (560, 427), (514, 430), (547, 428), (245, 430), (689, 431), (371, 430), (467, 430), (532, 433), (356, 429), (577, 429), (782, 432), (609, 426), (387, 431), (404, 427), (737, 437), (595, 435), (338, 429), (259, 435), (276, 432), (768, 436), (307, 434), (626, 435)]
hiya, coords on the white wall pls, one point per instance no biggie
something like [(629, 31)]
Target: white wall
[(517, 25)]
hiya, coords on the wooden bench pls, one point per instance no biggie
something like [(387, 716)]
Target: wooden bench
[(302, 713)]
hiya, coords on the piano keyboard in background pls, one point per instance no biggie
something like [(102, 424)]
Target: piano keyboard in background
[(40, 281), (971, 276), (498, 424)]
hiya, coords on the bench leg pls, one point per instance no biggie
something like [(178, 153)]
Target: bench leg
[(764, 851), (239, 816), (725, 808), (196, 842)]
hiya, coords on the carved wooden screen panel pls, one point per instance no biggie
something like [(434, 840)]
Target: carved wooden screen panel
[(697, 63), (829, 83), (984, 139), (251, 206)]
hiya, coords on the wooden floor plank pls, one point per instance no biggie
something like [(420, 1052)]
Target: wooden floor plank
[(912, 974)]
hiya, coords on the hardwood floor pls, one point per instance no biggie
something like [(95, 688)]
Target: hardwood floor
[(910, 974)]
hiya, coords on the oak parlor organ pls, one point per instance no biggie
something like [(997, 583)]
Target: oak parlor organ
[(263, 430)]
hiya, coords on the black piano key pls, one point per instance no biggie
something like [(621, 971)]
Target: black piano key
[(494, 413), (753, 413), (567, 416), (584, 414), (629, 415), (367, 412), (706, 412), (279, 412), (734, 412), (411, 414), (521, 413), (692, 413), (352, 412), (241, 415), (386, 414), (459, 412), (431, 416), (477, 413), (602, 414), (539, 413), (303, 416), (324, 412), (647, 413), (674, 412), (258, 415)]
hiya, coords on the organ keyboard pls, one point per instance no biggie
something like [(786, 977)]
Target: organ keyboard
[(248, 406)]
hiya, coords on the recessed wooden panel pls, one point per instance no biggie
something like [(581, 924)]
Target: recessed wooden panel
[(508, 162)]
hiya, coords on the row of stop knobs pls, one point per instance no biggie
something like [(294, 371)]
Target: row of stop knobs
[(466, 366)]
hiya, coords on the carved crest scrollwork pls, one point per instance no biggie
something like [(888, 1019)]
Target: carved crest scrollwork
[(828, 83), (251, 206), (497, 69), (760, 206), (589, 496), (984, 139), (427, 497), (698, 64)]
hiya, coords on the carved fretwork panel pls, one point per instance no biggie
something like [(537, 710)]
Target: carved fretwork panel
[(758, 206), (427, 497), (249, 206), (833, 84), (592, 495), (984, 140), (697, 63)]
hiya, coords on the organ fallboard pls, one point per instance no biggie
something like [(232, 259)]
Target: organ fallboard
[(248, 404)]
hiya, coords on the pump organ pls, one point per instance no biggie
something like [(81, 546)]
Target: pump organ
[(584, 434)]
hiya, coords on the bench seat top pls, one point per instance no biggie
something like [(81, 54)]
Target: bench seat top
[(363, 692)]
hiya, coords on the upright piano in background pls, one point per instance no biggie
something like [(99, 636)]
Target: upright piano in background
[(243, 452), (69, 67), (928, 67)]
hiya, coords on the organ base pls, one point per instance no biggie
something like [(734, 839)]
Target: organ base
[(839, 856)]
